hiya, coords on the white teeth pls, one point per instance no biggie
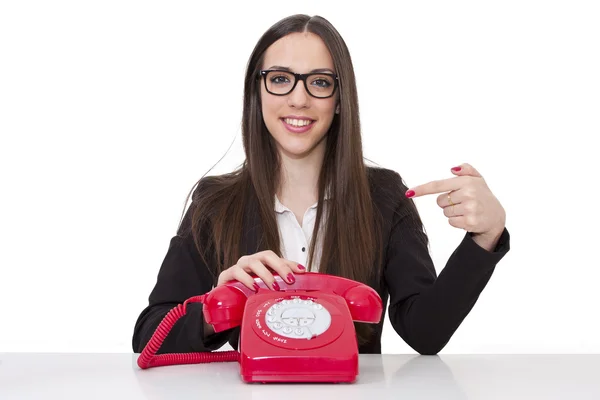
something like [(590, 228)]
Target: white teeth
[(297, 122)]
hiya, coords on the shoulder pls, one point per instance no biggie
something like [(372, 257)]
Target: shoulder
[(211, 184), (385, 184), (208, 196), (217, 189), (388, 192)]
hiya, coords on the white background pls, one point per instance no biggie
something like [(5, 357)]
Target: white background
[(111, 110)]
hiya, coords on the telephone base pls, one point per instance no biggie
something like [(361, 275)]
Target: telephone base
[(299, 369), (299, 378), (276, 346)]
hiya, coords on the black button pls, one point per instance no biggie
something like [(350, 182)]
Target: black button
[(303, 249)]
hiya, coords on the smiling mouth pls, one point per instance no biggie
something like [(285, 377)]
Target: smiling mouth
[(297, 126), (297, 122)]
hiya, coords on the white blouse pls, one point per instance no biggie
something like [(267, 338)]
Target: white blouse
[(295, 239)]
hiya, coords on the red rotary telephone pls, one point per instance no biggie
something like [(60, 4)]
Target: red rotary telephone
[(303, 333)]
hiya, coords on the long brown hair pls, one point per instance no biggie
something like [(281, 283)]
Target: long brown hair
[(351, 246)]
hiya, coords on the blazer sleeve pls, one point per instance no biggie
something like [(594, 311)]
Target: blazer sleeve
[(426, 310), (182, 275)]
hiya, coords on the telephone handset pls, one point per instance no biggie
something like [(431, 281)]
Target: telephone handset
[(303, 333)]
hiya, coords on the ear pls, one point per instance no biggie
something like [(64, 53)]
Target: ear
[(337, 109)]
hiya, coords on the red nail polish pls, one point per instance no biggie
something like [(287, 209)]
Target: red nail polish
[(291, 278), (256, 287), (410, 193), (456, 169), (302, 267), (276, 286)]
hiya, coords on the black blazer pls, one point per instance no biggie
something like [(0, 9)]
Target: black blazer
[(424, 309)]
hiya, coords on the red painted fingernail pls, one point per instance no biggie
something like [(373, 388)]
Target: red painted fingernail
[(410, 193), (291, 278), (276, 286), (302, 267), (256, 287), (456, 169)]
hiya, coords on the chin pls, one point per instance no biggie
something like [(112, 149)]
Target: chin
[(296, 151), (297, 145)]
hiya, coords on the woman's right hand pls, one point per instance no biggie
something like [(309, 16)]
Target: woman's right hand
[(261, 265)]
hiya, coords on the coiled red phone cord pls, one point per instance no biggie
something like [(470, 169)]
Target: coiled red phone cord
[(149, 359)]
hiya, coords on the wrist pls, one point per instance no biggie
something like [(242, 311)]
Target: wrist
[(488, 240), (492, 233)]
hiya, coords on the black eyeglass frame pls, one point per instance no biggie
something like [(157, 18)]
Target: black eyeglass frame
[(300, 77)]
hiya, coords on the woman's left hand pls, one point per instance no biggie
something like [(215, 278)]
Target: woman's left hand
[(468, 203)]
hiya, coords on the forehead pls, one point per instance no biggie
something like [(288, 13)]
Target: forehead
[(301, 52)]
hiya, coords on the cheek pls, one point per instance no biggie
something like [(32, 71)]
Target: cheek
[(326, 107), (330, 108), (327, 110), (269, 105)]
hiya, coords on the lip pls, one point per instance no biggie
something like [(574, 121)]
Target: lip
[(297, 117), (297, 129)]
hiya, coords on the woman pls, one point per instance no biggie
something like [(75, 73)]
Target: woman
[(304, 196)]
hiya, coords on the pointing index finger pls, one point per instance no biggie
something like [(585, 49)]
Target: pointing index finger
[(433, 187)]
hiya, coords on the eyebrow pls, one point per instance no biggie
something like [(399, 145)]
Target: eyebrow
[(318, 70)]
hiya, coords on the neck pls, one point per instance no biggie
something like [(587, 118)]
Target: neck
[(300, 175)]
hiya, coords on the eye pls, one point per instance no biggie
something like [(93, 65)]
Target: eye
[(279, 79), (322, 82)]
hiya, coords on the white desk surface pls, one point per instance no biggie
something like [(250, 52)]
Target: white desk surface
[(117, 376)]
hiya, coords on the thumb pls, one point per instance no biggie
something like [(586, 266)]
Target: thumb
[(465, 169)]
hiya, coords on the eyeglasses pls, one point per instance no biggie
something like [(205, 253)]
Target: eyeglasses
[(280, 83)]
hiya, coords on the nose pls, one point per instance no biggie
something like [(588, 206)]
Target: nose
[(299, 98)]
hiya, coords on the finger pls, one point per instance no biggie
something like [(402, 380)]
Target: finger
[(458, 222), (279, 265), (294, 266), (237, 273), (465, 169), (263, 273), (454, 211), (439, 186), (447, 199), (467, 222)]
